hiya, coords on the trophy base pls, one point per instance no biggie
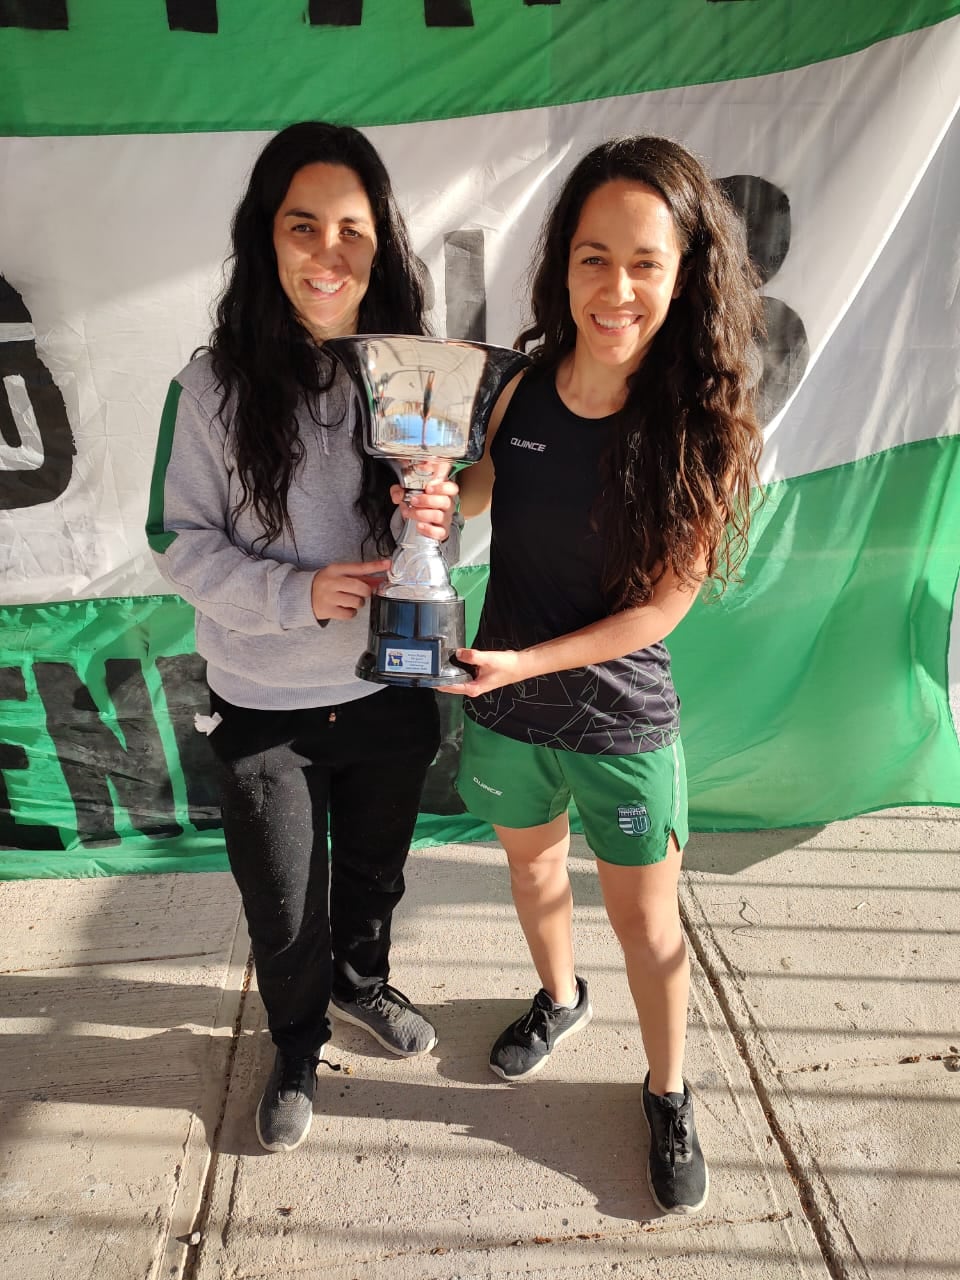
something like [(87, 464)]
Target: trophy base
[(414, 642)]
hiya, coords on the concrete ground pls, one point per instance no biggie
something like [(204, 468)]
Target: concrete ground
[(823, 1051)]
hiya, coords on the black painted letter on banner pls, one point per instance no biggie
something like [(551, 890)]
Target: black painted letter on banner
[(464, 285), (193, 15), (185, 693), (101, 770), (36, 443), (335, 13), (448, 13), (13, 834), (37, 15), (766, 213), (786, 352)]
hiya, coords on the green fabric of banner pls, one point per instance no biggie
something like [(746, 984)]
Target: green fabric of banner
[(97, 744), (119, 68), (819, 688), (814, 690)]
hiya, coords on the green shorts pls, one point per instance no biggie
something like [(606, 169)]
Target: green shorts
[(628, 805)]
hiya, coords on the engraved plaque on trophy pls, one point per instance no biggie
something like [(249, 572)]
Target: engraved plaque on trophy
[(420, 399)]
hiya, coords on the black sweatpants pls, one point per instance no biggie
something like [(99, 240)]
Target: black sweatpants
[(319, 918)]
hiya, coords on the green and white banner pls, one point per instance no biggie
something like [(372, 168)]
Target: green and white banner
[(818, 688)]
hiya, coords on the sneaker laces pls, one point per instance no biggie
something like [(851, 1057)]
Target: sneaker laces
[(295, 1070), (675, 1145), (535, 1021), (386, 1000), (293, 1073)]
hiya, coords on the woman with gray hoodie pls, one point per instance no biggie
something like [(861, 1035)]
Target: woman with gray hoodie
[(269, 518)]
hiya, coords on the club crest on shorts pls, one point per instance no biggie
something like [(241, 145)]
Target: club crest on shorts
[(633, 819)]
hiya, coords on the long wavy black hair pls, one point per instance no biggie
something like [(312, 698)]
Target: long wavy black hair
[(677, 477), (266, 362)]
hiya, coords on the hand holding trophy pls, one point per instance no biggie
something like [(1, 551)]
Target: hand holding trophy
[(421, 399)]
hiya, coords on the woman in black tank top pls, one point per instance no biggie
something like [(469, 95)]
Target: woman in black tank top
[(624, 461)]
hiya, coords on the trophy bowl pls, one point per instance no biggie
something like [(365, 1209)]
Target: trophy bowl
[(420, 400)]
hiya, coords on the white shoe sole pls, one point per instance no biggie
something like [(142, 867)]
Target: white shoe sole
[(538, 1066), (343, 1016)]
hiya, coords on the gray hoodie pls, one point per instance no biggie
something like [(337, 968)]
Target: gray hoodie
[(255, 624)]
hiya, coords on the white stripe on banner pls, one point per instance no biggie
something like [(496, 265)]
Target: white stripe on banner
[(28, 455), (115, 245), (17, 333)]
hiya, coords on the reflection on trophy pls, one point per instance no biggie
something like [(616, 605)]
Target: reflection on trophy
[(421, 399)]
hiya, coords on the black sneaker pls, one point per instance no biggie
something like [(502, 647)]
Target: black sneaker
[(525, 1046), (285, 1112), (390, 1018), (676, 1170)]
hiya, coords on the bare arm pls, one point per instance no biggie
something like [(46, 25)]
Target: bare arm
[(476, 481), (611, 637)]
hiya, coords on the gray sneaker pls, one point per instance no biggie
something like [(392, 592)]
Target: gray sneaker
[(285, 1112), (390, 1018)]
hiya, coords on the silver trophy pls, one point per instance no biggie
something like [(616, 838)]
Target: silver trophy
[(420, 399)]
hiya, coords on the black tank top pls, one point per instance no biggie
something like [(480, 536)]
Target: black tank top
[(545, 572)]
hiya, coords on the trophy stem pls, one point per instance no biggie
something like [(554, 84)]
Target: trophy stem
[(415, 475), (418, 570)]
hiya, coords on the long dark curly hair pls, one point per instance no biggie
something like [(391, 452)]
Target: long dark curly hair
[(266, 362), (678, 475)]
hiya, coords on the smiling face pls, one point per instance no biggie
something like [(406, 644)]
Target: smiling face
[(622, 274), (325, 240)]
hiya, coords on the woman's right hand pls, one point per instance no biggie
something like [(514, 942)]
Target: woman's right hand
[(340, 590)]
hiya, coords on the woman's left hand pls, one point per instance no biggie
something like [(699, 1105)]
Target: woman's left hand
[(432, 509), (495, 668)]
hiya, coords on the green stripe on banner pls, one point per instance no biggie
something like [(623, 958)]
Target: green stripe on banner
[(815, 690), (102, 771), (127, 66), (818, 689)]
